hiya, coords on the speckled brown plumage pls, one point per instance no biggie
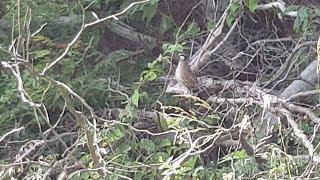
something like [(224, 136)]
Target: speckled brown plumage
[(184, 75)]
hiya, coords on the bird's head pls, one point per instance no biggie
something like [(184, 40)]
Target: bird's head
[(182, 57)]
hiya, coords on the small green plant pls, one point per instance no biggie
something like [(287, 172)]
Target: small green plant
[(233, 13), (251, 4)]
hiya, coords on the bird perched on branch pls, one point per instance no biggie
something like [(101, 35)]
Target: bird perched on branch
[(184, 74)]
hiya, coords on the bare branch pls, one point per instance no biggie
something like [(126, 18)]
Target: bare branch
[(84, 26), (11, 132), (14, 68)]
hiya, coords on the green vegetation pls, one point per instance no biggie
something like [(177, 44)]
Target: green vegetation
[(83, 97)]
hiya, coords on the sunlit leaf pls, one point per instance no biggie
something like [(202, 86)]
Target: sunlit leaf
[(240, 154), (40, 54), (150, 76), (251, 4), (172, 48), (135, 98), (233, 12)]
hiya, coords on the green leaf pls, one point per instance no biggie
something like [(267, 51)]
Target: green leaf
[(118, 55), (305, 25), (302, 21), (210, 25), (292, 8), (172, 48), (251, 4), (149, 11), (239, 154), (152, 2), (95, 176), (234, 9), (166, 24), (296, 25), (150, 76), (116, 134), (123, 148), (165, 142), (196, 170), (192, 30), (303, 13), (160, 157), (152, 64), (148, 145), (163, 124), (40, 54), (190, 163), (211, 119), (39, 38), (68, 68), (144, 97), (135, 98)]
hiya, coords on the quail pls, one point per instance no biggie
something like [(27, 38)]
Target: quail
[(184, 74)]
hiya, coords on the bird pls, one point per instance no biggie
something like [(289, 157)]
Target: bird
[(184, 75)]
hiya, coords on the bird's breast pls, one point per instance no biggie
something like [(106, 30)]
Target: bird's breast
[(178, 73)]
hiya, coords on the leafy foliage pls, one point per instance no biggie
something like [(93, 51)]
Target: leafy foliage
[(251, 4), (121, 85)]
